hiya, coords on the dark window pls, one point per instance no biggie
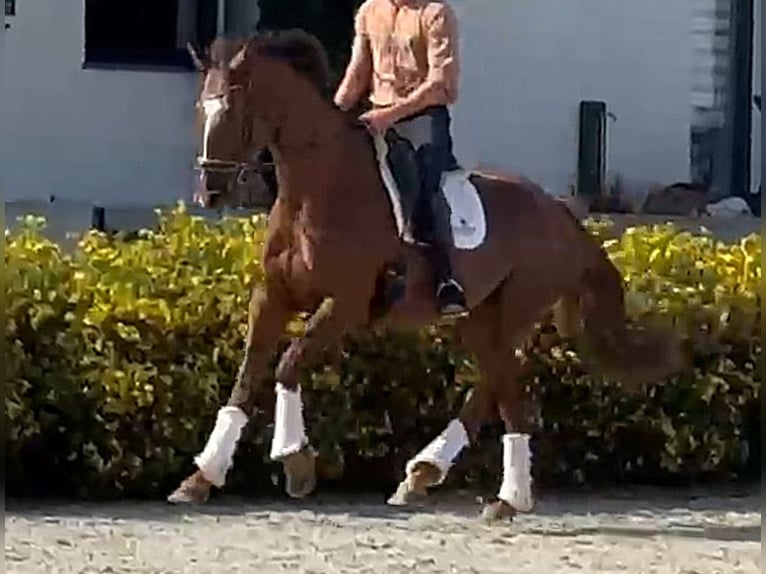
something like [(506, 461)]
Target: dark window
[(332, 21), (146, 33), (10, 7)]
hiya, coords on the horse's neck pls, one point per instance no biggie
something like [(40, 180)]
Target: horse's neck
[(311, 143), (304, 122), (330, 179), (326, 165)]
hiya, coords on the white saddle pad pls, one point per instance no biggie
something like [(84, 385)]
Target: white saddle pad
[(468, 219)]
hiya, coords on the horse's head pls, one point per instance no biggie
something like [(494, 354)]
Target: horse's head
[(242, 103)]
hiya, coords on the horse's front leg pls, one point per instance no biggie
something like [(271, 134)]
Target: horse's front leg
[(290, 445), (267, 319)]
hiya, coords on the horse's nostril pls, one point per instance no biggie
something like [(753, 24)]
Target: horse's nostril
[(207, 199), (199, 199)]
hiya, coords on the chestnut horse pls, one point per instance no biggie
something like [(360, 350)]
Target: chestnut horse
[(334, 249)]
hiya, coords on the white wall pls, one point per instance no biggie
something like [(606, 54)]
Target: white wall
[(101, 135), (126, 136), (528, 63)]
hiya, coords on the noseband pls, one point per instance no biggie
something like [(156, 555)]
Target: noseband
[(239, 169), (233, 168)]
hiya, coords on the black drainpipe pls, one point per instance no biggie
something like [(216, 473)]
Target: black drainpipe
[(591, 150)]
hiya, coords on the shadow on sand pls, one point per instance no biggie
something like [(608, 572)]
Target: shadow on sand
[(642, 514)]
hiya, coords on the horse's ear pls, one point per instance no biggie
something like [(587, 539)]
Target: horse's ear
[(196, 60), (239, 58)]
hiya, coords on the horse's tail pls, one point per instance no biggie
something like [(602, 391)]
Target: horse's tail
[(595, 317)]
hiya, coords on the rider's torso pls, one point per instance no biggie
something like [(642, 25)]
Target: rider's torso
[(398, 42)]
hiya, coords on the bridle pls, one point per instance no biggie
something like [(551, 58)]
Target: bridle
[(239, 169), (237, 176)]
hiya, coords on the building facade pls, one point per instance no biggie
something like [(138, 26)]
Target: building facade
[(97, 95)]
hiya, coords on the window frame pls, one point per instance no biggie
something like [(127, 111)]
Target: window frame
[(176, 61)]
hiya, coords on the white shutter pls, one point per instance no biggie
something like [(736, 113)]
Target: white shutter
[(755, 146), (711, 43)]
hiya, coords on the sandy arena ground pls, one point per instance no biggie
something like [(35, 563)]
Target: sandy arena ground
[(631, 533)]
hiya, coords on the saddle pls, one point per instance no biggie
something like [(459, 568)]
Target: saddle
[(461, 210)]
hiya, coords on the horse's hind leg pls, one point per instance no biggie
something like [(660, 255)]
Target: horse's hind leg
[(267, 319), (498, 390), (515, 493), (430, 466), (518, 311), (491, 333)]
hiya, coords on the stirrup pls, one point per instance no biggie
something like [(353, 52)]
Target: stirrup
[(453, 311)]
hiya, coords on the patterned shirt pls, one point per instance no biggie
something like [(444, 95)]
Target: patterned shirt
[(407, 45)]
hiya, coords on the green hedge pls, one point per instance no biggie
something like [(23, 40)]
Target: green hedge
[(118, 355)]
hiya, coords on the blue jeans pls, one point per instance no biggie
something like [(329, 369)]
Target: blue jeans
[(428, 132)]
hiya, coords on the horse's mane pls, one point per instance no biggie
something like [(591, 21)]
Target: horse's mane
[(302, 51)]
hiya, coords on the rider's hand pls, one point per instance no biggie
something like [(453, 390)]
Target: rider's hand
[(378, 120)]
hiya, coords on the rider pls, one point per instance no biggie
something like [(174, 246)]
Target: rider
[(405, 54)]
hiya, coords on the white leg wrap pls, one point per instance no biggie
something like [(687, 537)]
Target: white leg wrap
[(216, 458), (516, 488), (443, 450), (289, 432)]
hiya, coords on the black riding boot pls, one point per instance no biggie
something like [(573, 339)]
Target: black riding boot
[(450, 296)]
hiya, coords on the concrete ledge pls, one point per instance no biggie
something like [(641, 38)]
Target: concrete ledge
[(67, 219)]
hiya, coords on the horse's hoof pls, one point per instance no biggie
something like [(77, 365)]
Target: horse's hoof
[(405, 495), (193, 490), (498, 511), (414, 488), (300, 473)]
